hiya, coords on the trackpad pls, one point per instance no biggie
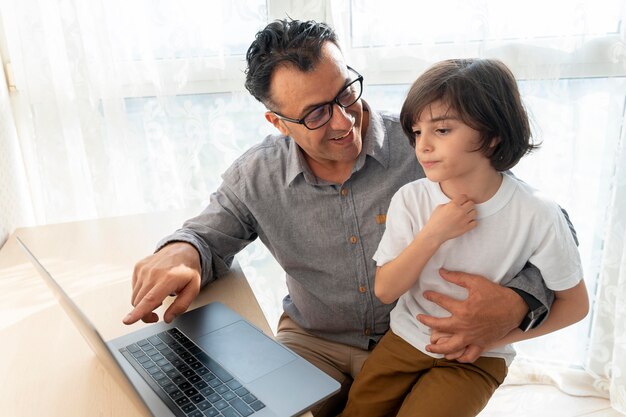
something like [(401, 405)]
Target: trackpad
[(245, 351)]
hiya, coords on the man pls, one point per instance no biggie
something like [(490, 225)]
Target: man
[(317, 196)]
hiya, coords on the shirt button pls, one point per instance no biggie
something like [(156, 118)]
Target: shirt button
[(367, 332), (353, 239), (362, 289), (344, 192)]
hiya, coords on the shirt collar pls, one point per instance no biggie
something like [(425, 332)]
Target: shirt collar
[(374, 145)]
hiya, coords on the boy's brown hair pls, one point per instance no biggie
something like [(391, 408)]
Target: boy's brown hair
[(484, 94)]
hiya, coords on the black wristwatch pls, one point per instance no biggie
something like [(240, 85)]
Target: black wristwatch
[(536, 311)]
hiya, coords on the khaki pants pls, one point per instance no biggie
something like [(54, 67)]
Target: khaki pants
[(341, 362), (398, 379)]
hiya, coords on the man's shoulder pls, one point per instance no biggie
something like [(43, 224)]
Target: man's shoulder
[(390, 119), (274, 148)]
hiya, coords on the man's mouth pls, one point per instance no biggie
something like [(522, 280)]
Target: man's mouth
[(342, 137)]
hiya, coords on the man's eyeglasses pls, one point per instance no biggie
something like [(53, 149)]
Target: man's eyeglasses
[(320, 115)]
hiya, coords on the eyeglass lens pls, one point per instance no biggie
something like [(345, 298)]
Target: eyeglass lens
[(346, 97)]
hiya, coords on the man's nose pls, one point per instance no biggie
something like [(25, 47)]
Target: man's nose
[(341, 119)]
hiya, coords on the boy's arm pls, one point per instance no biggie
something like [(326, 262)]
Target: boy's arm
[(446, 222)]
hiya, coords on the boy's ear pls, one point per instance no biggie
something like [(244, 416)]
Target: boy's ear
[(494, 142), (278, 124)]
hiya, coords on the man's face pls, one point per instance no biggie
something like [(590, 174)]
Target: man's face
[(333, 148)]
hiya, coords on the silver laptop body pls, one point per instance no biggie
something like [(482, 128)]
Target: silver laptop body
[(230, 355)]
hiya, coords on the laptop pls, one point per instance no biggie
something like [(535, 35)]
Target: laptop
[(208, 362)]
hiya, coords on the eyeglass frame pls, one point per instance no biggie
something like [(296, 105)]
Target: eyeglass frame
[(334, 101)]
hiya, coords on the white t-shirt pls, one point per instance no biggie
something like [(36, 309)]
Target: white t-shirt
[(516, 225)]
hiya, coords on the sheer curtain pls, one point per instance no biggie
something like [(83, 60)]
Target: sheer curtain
[(127, 107)]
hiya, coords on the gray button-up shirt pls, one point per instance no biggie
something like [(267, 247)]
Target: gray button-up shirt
[(323, 235)]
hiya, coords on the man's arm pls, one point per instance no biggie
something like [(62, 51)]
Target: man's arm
[(191, 257)]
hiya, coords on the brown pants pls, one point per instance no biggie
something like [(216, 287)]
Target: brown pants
[(399, 380), (341, 362)]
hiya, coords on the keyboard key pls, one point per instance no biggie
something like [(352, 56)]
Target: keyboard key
[(172, 373), (220, 405), (174, 395), (165, 337), (184, 386), (154, 340), (188, 408), (257, 405), (229, 395), (234, 384), (143, 359), (197, 399), (215, 367), (229, 412), (143, 343), (194, 379), (200, 384), (241, 391), (182, 401), (241, 407), (169, 388), (133, 348), (191, 392), (249, 398), (208, 376), (213, 398), (212, 412), (203, 405), (195, 413), (215, 383)]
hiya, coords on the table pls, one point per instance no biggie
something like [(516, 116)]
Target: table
[(47, 368)]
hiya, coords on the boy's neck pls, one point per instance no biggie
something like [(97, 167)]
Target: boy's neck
[(479, 187)]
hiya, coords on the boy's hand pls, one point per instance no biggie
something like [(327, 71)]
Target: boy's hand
[(452, 219), (467, 354)]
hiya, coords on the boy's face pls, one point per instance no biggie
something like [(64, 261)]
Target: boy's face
[(446, 147), (337, 144)]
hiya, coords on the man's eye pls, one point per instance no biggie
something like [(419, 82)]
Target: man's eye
[(316, 114)]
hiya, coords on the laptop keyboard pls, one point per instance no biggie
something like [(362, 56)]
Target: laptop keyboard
[(187, 379)]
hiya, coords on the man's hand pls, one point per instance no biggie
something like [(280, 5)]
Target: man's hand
[(489, 312), (175, 269)]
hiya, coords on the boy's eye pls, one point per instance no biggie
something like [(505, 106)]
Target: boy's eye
[(443, 131), (417, 133)]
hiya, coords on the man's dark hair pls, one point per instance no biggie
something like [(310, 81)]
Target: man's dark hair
[(284, 42), (484, 93)]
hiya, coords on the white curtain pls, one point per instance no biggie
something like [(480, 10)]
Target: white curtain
[(112, 109), (607, 353), (15, 204)]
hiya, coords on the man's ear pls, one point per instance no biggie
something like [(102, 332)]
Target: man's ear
[(278, 124)]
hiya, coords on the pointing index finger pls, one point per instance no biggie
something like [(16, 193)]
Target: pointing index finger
[(151, 301)]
